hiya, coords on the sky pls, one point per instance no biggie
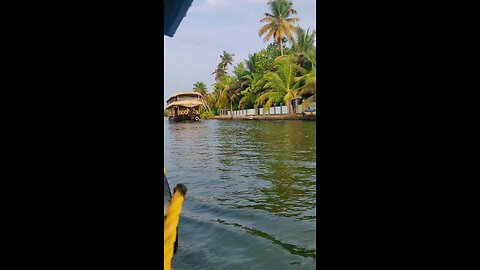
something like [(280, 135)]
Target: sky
[(211, 27)]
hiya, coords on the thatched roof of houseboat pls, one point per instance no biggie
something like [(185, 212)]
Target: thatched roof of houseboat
[(184, 93), (185, 103)]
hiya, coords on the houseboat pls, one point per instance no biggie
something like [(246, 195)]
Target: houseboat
[(184, 106)]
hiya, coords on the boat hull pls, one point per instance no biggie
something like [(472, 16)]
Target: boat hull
[(309, 116), (183, 118)]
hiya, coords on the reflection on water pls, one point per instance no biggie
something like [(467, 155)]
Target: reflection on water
[(251, 201)]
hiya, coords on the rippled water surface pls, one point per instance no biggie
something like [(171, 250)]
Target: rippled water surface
[(251, 201)]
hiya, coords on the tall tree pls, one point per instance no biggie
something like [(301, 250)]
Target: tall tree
[(265, 59), (226, 59), (281, 84), (251, 62), (219, 72), (308, 91), (226, 92), (239, 70), (279, 23), (303, 46), (253, 84), (201, 88)]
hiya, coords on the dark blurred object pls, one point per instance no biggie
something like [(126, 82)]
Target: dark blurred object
[(174, 11)]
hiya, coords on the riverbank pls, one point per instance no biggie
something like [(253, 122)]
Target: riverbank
[(259, 117)]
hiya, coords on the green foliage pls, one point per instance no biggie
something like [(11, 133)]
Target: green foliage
[(265, 59), (207, 114), (303, 48), (226, 59), (227, 93), (279, 24), (309, 87), (282, 85), (201, 88), (239, 70), (275, 74), (216, 111), (251, 62)]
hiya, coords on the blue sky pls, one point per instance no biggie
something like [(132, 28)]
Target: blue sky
[(212, 26)]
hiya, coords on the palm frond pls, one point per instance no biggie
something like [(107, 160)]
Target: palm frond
[(292, 20), (266, 28), (269, 35), (268, 19)]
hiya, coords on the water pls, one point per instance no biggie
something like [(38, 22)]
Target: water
[(251, 201)]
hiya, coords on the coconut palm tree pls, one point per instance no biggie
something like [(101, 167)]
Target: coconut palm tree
[(226, 92), (282, 84), (253, 84), (201, 88), (239, 70), (251, 62), (309, 88), (219, 72), (270, 97), (279, 24), (226, 59), (304, 45)]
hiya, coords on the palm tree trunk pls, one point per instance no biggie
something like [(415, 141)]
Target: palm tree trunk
[(231, 108), (205, 104), (291, 109), (281, 47)]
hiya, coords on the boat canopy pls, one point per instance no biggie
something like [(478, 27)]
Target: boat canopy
[(174, 11), (185, 94), (194, 95), (185, 103)]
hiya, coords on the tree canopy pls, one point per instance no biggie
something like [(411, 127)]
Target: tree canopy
[(279, 73)]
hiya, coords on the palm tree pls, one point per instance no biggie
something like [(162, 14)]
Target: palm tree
[(219, 72), (270, 97), (309, 88), (226, 59), (226, 92), (253, 84), (239, 70), (282, 84), (251, 62), (201, 88), (279, 24), (304, 45)]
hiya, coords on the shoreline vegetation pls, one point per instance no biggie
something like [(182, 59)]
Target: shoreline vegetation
[(283, 73)]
